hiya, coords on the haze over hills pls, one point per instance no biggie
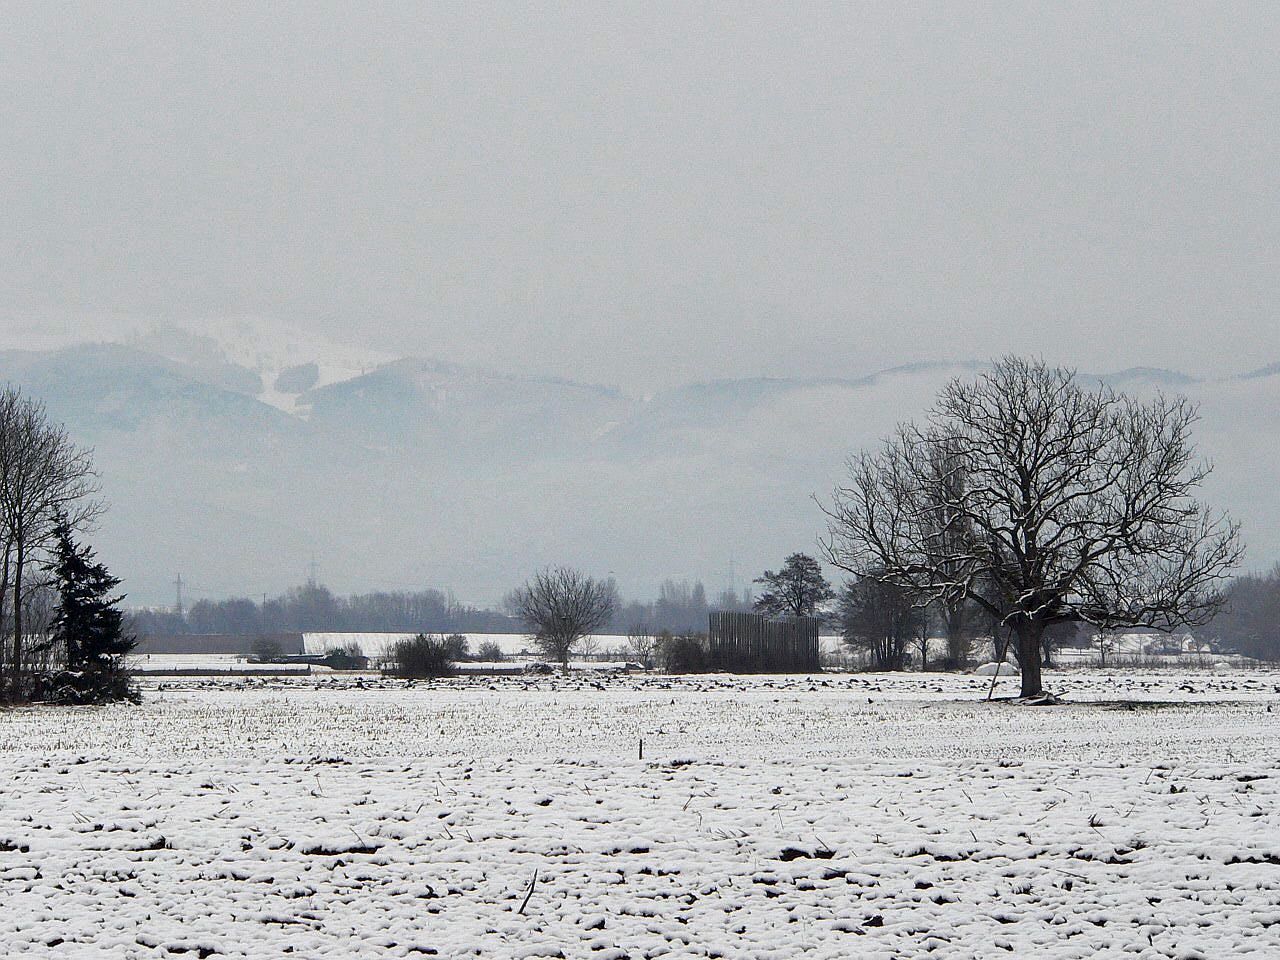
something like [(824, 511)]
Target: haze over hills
[(237, 453)]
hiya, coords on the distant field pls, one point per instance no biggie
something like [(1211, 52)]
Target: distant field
[(380, 644), (840, 816), (205, 662)]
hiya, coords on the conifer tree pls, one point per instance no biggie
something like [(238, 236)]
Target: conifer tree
[(88, 624), (797, 590)]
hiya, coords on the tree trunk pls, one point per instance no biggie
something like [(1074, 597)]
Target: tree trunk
[(16, 666), (955, 637), (4, 603), (1030, 633)]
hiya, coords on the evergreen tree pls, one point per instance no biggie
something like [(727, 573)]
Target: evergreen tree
[(797, 590), (88, 624)]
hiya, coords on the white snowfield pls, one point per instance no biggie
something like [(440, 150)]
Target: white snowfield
[(835, 816), (206, 662)]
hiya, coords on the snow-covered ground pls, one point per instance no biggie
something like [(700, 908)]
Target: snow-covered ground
[(206, 662), (841, 816)]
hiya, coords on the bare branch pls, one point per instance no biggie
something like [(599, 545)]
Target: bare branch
[(1041, 501)]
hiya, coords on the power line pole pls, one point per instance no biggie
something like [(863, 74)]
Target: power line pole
[(178, 605)]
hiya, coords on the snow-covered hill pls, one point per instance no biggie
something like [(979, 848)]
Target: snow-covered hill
[(273, 361)]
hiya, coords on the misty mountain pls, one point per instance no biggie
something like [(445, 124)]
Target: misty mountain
[(441, 408), (416, 472)]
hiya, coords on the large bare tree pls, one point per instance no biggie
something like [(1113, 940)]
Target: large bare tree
[(44, 476), (561, 606), (1055, 502)]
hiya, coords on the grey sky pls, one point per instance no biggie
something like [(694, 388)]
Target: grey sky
[(658, 192)]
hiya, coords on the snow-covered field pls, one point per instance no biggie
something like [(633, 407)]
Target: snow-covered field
[(770, 817), (206, 662)]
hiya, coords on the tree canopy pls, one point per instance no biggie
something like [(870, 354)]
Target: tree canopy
[(1040, 500), (797, 590), (560, 606)]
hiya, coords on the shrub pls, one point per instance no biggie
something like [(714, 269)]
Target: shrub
[(73, 687), (266, 649), (422, 656), (348, 656), (490, 652), (457, 645), (686, 653)]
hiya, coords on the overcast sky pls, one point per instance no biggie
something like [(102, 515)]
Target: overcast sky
[(657, 192)]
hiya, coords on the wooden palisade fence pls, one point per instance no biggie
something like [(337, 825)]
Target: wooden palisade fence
[(751, 643)]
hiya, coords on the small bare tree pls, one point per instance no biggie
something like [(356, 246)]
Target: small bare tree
[(640, 645), (1057, 503), (40, 652), (920, 639), (561, 606)]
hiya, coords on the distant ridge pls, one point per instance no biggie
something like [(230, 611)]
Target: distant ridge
[(418, 471), (1270, 370)]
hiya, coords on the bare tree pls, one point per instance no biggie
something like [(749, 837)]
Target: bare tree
[(947, 532), (561, 606), (640, 645), (1250, 622), (920, 639), (588, 647), (39, 652), (43, 476), (1076, 504), (1106, 643), (881, 618)]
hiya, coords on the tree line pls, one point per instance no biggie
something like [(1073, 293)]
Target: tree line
[(314, 608), (1250, 620), (681, 606)]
